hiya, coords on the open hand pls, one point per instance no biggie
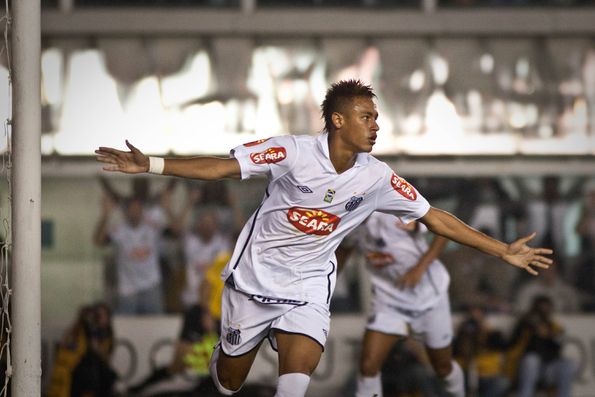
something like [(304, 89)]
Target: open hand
[(132, 162), (519, 254)]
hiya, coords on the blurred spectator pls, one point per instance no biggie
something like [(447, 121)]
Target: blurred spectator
[(215, 195), (485, 204), (156, 208), (199, 333), (407, 373), (585, 228), (211, 288), (82, 364), (197, 328), (202, 242), (491, 208), (563, 295), (478, 279), (535, 356), (480, 352), (157, 211), (137, 262), (546, 214)]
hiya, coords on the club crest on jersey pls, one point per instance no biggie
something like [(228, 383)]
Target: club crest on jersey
[(313, 221), (271, 155), (353, 203), (403, 187), (233, 336), (254, 143), (329, 196)]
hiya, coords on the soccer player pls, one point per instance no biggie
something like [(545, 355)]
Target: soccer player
[(282, 272), (410, 287)]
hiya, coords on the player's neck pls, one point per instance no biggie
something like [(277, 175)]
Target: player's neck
[(341, 157)]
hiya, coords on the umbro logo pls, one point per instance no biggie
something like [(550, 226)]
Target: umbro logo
[(304, 189)]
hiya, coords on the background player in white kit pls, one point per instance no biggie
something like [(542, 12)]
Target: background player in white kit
[(410, 288), (283, 269)]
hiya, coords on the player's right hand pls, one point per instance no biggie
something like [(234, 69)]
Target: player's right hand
[(132, 162), (411, 278)]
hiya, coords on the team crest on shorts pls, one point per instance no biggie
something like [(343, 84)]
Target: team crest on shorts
[(233, 336), (353, 203)]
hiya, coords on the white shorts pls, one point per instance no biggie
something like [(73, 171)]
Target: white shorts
[(247, 319), (433, 326)]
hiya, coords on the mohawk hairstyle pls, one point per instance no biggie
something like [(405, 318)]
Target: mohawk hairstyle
[(337, 96)]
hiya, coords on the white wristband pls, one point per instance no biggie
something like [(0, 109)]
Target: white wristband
[(156, 165)]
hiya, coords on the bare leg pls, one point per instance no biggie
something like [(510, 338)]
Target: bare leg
[(375, 350), (297, 353), (233, 370), (448, 370), (298, 357), (441, 360)]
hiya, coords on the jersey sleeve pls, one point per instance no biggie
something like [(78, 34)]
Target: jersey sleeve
[(398, 197), (270, 157)]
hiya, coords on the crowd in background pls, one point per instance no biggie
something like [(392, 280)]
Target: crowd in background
[(161, 250), (165, 256), (162, 253)]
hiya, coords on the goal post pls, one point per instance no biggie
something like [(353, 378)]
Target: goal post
[(26, 198)]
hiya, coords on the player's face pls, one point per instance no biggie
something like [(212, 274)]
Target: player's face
[(360, 127)]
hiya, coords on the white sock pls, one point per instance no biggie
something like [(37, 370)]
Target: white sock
[(292, 385), (213, 372), (455, 381), (369, 386)]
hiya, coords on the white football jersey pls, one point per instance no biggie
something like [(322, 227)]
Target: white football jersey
[(286, 250), (385, 236), (199, 256), (137, 258)]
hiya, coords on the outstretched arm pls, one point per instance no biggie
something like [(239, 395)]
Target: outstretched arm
[(517, 254), (135, 162)]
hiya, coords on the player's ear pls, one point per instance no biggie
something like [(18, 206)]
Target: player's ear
[(337, 119)]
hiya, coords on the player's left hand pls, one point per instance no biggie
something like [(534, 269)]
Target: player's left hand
[(411, 278), (519, 254)]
